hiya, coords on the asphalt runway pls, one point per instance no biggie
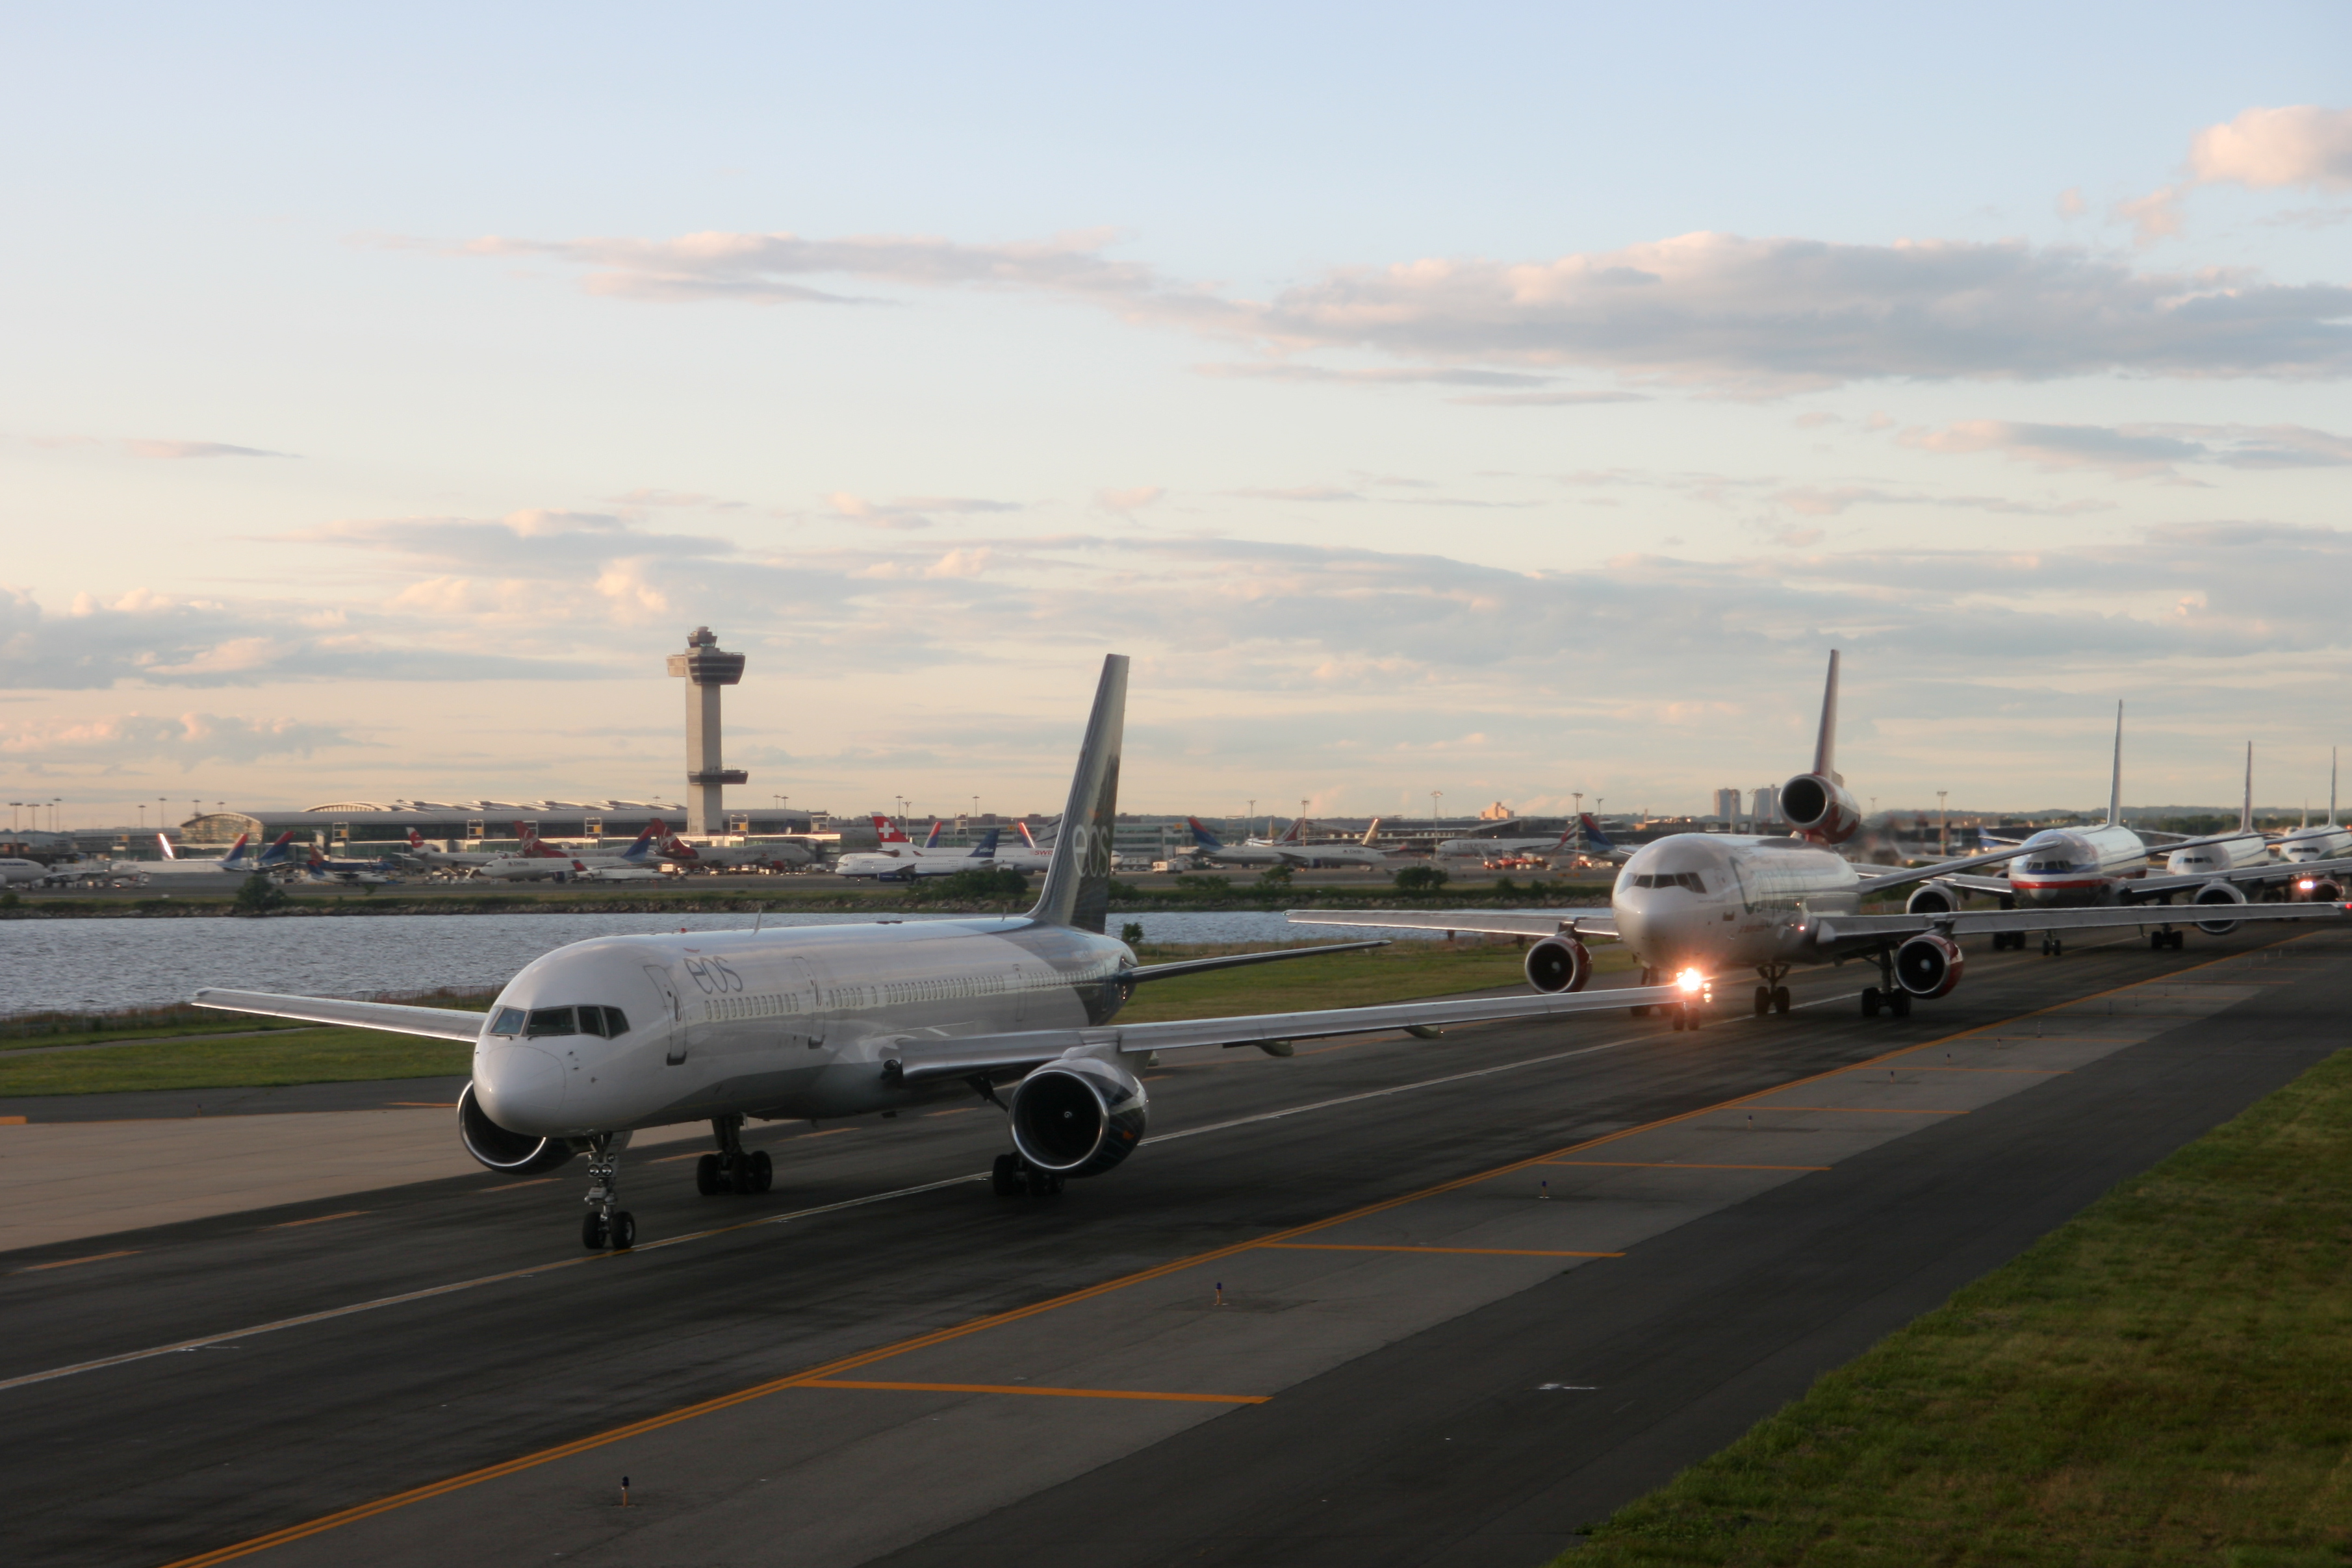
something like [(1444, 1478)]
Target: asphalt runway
[(1391, 1302)]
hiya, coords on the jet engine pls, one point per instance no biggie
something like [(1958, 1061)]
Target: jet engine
[(1928, 965), (1820, 809), (2318, 889), (500, 1150), (1559, 964), (1078, 1117), (2215, 893), (1932, 898)]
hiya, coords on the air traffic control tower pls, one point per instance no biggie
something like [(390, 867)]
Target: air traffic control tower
[(706, 669)]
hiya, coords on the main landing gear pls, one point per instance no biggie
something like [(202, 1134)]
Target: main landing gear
[(1772, 996), (2002, 940), (2053, 946), (1013, 1176), (2159, 940), (604, 1225), (732, 1169), (1886, 995)]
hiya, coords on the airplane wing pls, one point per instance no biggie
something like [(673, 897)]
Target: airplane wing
[(1999, 885), (1234, 960), (1854, 930), (439, 1024), (1551, 922), (1886, 881), (2265, 873), (919, 1059)]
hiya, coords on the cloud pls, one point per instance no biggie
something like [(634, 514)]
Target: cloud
[(1830, 501), (1287, 371), (2140, 451), (2302, 147), (910, 511), (1714, 312), (1313, 493), (1548, 398), (175, 450), (1129, 501), (121, 739)]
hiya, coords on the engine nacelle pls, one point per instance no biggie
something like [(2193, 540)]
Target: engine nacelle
[(1820, 809), (1932, 898), (1078, 1117), (1928, 965), (500, 1150), (1559, 964), (2218, 892), (2318, 889)]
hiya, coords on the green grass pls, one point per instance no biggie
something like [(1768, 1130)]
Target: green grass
[(282, 1056), (2166, 1379)]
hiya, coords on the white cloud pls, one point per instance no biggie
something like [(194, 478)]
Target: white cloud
[(2300, 147), (1711, 311), (176, 450), (2140, 451), (121, 740), (1129, 501), (910, 511)]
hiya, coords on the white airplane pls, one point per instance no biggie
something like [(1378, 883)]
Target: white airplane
[(603, 1037), (1253, 852), (13, 871), (2106, 867), (349, 873), (639, 851), (733, 857), (450, 860), (904, 861), (1027, 858), (1299, 851), (235, 860), (531, 868), (2321, 842), (1706, 904)]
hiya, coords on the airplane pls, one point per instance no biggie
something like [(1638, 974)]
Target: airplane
[(1026, 859), (1698, 905), (351, 873), (531, 868), (598, 1039), (235, 860), (1295, 846), (893, 863), (2322, 843), (531, 843), (1210, 847), (450, 860), (733, 857), (2105, 866), (1478, 849)]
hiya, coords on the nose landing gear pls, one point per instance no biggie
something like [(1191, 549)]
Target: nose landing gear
[(604, 1226), (732, 1169)]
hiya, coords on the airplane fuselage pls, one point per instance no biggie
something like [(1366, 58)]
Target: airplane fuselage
[(2325, 843), (779, 1024), (2221, 856), (2074, 868), (1719, 901)]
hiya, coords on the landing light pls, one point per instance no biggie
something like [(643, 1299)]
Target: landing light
[(2305, 885), (1690, 980)]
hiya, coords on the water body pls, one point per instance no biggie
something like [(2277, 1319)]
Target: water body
[(73, 964)]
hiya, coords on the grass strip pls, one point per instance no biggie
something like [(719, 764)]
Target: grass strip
[(1405, 972), (287, 1056), (2165, 1379)]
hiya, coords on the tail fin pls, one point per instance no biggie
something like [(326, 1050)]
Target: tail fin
[(1077, 880), (1203, 837), (931, 838), (1367, 840), (2115, 782), (2246, 812), (643, 845), (885, 831), (1825, 744), (279, 848), (165, 845), (416, 840), (1026, 836), (1597, 840), (986, 848), (236, 855)]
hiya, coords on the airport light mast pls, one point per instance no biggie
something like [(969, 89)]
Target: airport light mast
[(706, 669)]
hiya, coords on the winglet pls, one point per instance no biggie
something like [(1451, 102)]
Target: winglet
[(1077, 880), (2116, 781), (1825, 746)]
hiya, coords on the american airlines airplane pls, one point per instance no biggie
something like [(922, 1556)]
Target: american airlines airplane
[(598, 1039), (1700, 905)]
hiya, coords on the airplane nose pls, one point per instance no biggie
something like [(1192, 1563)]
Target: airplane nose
[(519, 1087)]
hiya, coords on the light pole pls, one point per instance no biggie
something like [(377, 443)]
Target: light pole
[(1943, 828), (1249, 827), (1435, 816)]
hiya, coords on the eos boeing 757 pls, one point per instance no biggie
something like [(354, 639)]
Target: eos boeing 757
[(1712, 904), (605, 1036)]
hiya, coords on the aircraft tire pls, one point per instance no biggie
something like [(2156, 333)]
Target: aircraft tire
[(1780, 1000), (593, 1231), (706, 1175), (764, 1171), (1763, 1000), (1870, 1000), (625, 1230), (1899, 1004), (1004, 1175), (1041, 1184)]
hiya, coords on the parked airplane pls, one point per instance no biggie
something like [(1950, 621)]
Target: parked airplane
[(13, 871), (597, 1039), (1300, 852), (1210, 847), (450, 860), (531, 868), (733, 857), (905, 862), (1710, 904), (235, 860), (639, 851), (351, 873), (1027, 858)]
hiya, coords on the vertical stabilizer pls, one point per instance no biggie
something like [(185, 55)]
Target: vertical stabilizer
[(2116, 779), (1077, 880), (2246, 811), (1825, 744), (2331, 786)]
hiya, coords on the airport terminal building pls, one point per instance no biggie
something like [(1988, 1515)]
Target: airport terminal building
[(463, 821)]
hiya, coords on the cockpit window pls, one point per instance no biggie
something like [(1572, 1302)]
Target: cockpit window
[(611, 1023), (508, 1021), (551, 1020), (1689, 879)]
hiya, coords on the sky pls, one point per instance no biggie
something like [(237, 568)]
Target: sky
[(1511, 402)]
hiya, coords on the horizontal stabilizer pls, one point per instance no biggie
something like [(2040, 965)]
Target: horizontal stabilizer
[(436, 1023)]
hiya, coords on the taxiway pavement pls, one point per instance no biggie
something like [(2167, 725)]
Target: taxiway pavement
[(1475, 1293)]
